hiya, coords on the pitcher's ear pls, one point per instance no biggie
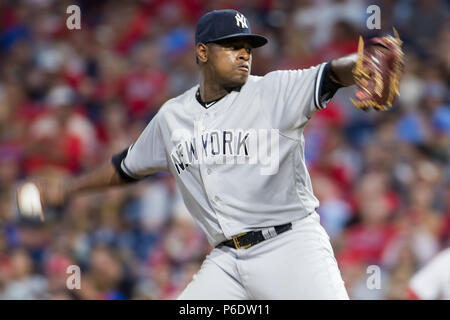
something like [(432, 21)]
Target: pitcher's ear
[(201, 53)]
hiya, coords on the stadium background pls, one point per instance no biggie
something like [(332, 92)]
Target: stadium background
[(71, 99)]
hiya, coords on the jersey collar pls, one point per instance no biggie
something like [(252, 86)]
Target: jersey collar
[(206, 105)]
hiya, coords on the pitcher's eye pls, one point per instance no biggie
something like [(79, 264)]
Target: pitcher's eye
[(237, 47)]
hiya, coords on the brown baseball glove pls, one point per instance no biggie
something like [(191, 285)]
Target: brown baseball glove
[(377, 72)]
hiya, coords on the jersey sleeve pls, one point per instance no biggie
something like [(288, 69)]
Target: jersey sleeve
[(428, 282), (295, 95), (147, 155)]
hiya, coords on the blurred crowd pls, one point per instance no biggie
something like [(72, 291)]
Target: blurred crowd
[(70, 99)]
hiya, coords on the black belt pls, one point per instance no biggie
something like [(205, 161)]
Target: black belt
[(248, 239)]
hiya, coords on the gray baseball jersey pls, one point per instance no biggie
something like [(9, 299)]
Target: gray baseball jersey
[(239, 163)]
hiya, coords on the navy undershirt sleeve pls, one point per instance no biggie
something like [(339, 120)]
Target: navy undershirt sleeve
[(117, 163), (328, 87)]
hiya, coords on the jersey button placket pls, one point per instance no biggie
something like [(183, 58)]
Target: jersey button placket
[(204, 166), (210, 178)]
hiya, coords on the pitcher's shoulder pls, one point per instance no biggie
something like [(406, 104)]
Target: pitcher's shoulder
[(181, 101), (267, 77), (253, 79)]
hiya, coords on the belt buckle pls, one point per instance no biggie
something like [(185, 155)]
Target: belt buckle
[(236, 241)]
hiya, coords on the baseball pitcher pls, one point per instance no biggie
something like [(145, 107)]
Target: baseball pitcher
[(235, 145)]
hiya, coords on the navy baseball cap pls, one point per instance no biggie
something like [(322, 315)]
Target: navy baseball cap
[(224, 24)]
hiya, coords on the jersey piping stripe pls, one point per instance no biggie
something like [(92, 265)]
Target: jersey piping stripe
[(127, 171), (318, 86), (125, 168), (205, 105)]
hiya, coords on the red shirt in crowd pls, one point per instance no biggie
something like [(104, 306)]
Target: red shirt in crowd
[(141, 89), (368, 243)]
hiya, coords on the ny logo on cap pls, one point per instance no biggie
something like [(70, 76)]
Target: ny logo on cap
[(240, 20)]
